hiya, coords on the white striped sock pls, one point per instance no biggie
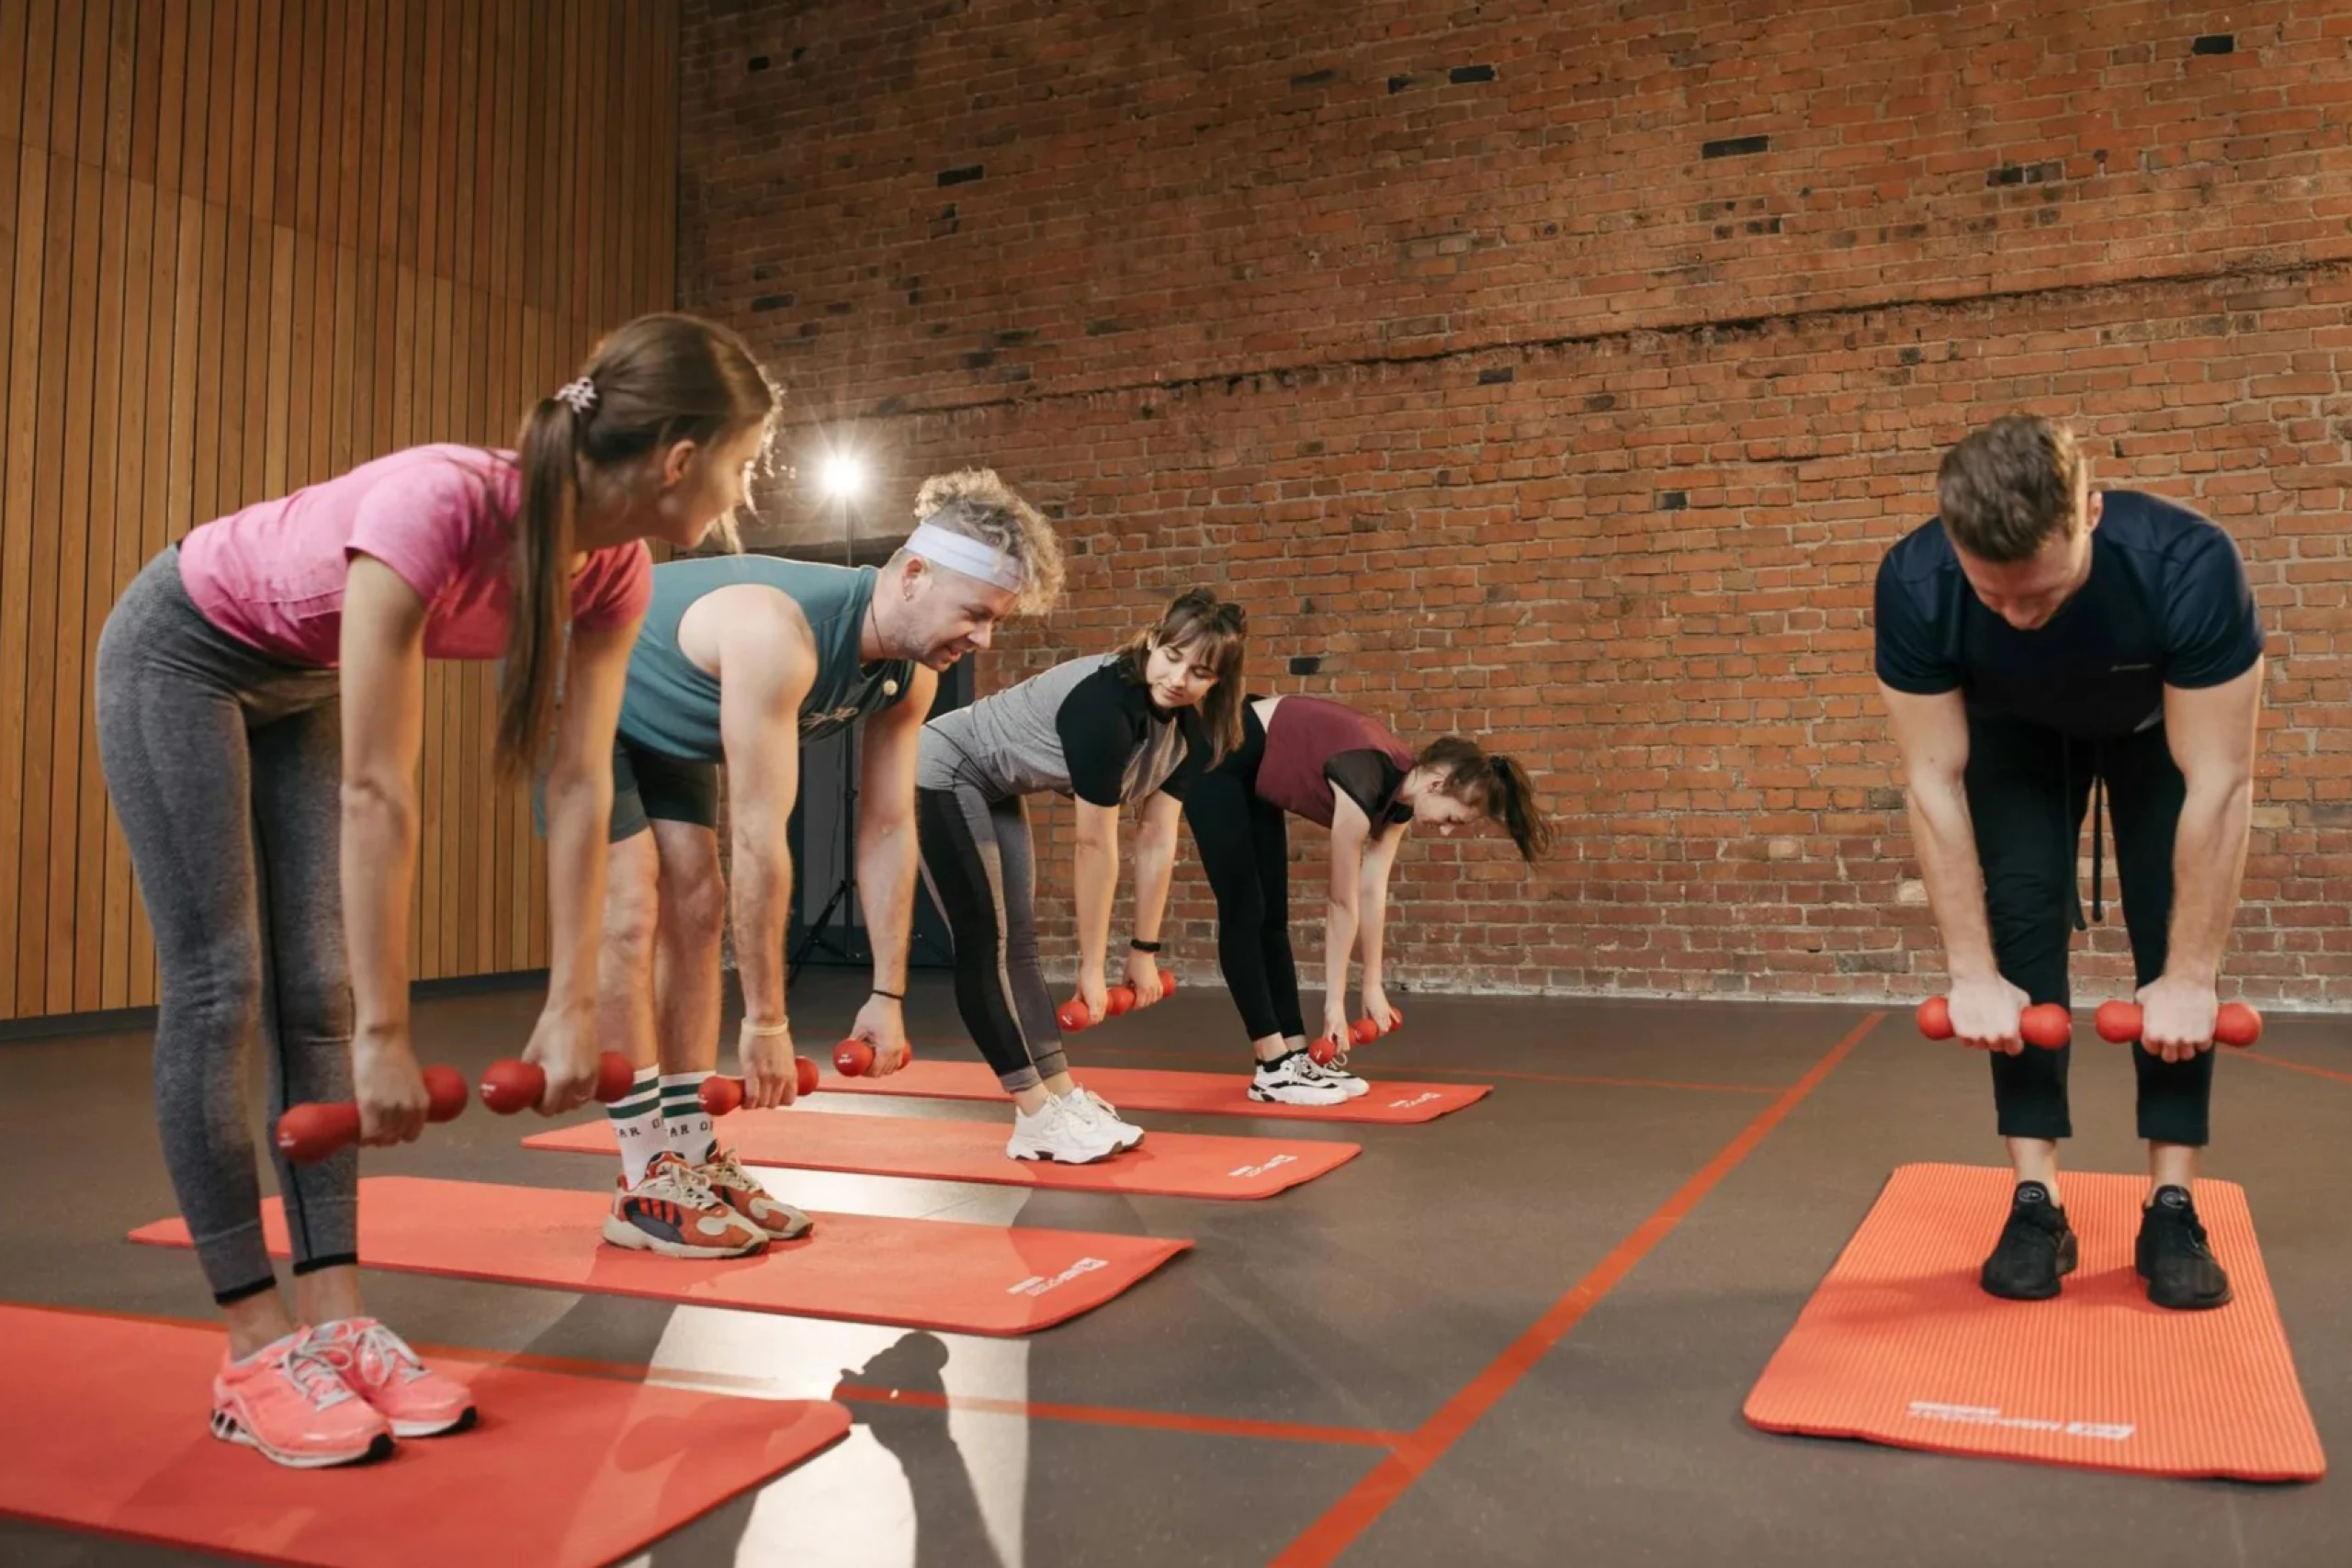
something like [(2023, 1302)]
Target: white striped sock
[(683, 1121), (637, 1122)]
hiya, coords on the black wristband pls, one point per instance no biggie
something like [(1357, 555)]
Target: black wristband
[(894, 996), (1137, 945)]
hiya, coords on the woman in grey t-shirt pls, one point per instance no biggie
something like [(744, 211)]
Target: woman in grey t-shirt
[(1111, 730)]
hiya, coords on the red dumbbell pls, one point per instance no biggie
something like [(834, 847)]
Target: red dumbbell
[(2046, 1024), (723, 1096), (1363, 1031), (513, 1085), (312, 1131), (2236, 1024), (1117, 1002), (855, 1058)]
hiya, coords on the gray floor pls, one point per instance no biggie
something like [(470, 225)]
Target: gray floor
[(1366, 1301)]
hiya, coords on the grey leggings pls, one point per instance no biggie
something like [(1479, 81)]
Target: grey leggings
[(978, 863), (225, 768)]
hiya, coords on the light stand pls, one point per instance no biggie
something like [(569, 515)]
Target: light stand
[(845, 890)]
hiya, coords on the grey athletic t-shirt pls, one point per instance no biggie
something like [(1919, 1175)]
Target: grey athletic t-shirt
[(1080, 729)]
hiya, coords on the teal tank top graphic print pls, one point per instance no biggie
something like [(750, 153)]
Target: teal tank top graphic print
[(672, 704)]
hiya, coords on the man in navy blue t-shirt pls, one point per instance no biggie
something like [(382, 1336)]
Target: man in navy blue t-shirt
[(2034, 637)]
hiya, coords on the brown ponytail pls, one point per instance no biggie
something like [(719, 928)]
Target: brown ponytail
[(659, 380), (1512, 803), (542, 583), (1500, 785)]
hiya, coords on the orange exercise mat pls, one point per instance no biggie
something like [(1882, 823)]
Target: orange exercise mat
[(1900, 1347), (562, 1470), (959, 1279), (1151, 1089), (1169, 1164)]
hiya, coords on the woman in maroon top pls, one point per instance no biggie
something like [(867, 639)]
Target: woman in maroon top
[(1326, 761)]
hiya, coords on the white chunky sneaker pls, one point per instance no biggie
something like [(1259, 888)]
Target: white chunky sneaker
[(1061, 1132), (1103, 1113)]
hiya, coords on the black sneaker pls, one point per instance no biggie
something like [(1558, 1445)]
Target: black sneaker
[(2181, 1269), (2037, 1248)]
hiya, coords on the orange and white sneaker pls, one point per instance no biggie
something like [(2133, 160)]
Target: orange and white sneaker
[(736, 1188), (289, 1401), (413, 1400), (673, 1212)]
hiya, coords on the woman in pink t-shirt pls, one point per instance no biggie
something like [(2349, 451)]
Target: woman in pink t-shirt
[(260, 708)]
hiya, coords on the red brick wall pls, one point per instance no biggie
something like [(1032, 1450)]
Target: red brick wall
[(1458, 357)]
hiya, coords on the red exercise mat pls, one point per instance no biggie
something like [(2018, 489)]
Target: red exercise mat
[(1152, 1089), (562, 1470), (959, 1279), (1169, 1164), (1900, 1347)]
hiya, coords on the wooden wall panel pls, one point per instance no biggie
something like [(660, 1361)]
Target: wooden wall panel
[(245, 244)]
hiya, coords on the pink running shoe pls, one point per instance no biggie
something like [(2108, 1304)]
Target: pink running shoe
[(413, 1400), (288, 1401)]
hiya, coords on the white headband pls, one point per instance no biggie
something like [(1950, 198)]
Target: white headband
[(971, 556)]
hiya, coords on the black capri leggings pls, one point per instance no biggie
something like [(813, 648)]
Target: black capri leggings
[(978, 863), (1244, 844), (2029, 789)]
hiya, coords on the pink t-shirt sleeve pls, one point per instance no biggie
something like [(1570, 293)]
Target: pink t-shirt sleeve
[(614, 589), (427, 521)]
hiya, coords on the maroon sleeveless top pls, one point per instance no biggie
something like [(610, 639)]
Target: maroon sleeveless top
[(1315, 746)]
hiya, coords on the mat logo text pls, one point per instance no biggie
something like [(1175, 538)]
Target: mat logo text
[(1985, 1416), (1408, 1104), (1037, 1284), (1245, 1172)]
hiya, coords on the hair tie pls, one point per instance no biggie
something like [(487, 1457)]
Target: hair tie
[(578, 395)]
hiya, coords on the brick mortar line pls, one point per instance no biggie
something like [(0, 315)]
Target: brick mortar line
[(1697, 331)]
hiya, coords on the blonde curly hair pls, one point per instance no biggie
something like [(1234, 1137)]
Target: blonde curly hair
[(978, 505)]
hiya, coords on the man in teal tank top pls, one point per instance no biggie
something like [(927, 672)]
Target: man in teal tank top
[(740, 659)]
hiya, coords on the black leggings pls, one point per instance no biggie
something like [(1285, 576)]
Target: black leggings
[(977, 861), (1244, 844), (2029, 789)]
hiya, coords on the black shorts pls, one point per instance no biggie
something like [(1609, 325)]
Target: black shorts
[(648, 787)]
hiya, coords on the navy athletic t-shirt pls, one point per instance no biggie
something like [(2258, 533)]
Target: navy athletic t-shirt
[(2166, 603)]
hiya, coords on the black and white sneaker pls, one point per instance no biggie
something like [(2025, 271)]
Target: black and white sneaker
[(1355, 1087), (2037, 1248), (2173, 1256), (1293, 1078)]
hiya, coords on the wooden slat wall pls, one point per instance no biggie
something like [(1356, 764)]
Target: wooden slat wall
[(243, 245)]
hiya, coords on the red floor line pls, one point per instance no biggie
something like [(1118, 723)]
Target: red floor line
[(1402, 1069), (860, 1394), (1322, 1542), (1082, 1414), (1107, 1415), (1398, 1069), (2295, 1066)]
